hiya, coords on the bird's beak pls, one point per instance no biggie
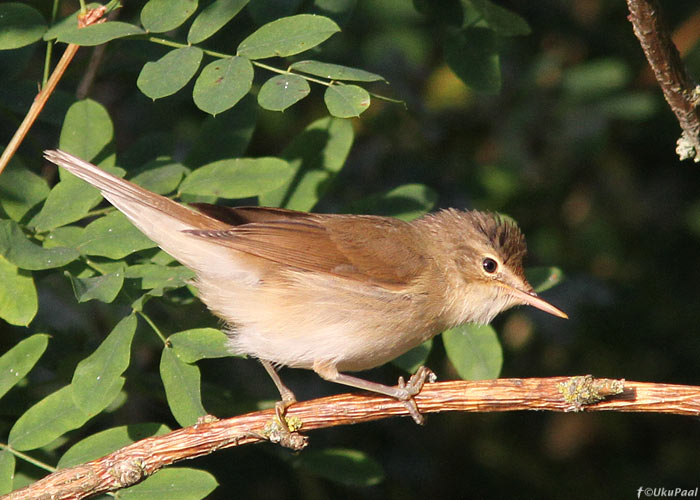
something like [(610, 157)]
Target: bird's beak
[(531, 299)]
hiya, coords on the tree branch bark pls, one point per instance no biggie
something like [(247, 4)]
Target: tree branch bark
[(680, 91), (131, 464)]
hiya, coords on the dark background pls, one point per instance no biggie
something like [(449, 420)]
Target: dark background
[(578, 147)]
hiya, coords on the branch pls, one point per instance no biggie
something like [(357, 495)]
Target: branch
[(131, 464), (681, 93)]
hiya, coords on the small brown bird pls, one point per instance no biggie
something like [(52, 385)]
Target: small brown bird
[(332, 293)]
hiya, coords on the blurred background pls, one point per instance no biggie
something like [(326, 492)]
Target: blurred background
[(577, 146)]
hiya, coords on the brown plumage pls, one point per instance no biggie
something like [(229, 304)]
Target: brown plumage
[(332, 292)]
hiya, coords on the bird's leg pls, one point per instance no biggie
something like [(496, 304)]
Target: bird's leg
[(404, 392), (283, 435)]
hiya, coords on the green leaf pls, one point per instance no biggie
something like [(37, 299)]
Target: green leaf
[(67, 202), (415, 358), (335, 71), (158, 16), (503, 21), (543, 278), (192, 345), (18, 250), (473, 55), (69, 22), (237, 177), (105, 442), (287, 36), (404, 202), (346, 101), (20, 190), (170, 73), (87, 129), (281, 91), (182, 388), (7, 471), (222, 84), (316, 155), (161, 176), (593, 79), (113, 236), (344, 466), (225, 136), (96, 34), (18, 361), (95, 376), (212, 18), (20, 25), (18, 299), (474, 351), (174, 483), (104, 288), (157, 276), (66, 236), (48, 419)]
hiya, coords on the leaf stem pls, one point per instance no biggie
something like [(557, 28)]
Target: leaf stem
[(154, 327), (27, 458)]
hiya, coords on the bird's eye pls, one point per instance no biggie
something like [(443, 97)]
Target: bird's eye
[(489, 265)]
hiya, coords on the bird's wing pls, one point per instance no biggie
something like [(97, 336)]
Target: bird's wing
[(379, 250)]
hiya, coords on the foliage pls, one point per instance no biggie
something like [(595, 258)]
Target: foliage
[(221, 102)]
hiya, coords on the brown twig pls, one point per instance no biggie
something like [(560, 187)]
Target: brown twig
[(135, 462), (678, 87)]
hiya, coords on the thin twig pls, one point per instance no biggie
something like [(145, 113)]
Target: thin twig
[(681, 93), (133, 463)]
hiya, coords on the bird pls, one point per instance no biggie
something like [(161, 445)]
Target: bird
[(333, 293)]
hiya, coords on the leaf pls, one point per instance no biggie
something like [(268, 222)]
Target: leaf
[(170, 73), (199, 343), (474, 351), (212, 18), (543, 278), (344, 466), (225, 136), (182, 388), (18, 250), (96, 34), (404, 202), (105, 442), (335, 71), (66, 236), (346, 101), (48, 419), (157, 276), (174, 483), (503, 21), (593, 79), (20, 190), (7, 471), (113, 236), (287, 36), (281, 91), (104, 288), (415, 358), (161, 176), (18, 361), (237, 177), (473, 55), (95, 376), (316, 155), (87, 129), (222, 84), (70, 200), (18, 298), (158, 16), (20, 25)]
